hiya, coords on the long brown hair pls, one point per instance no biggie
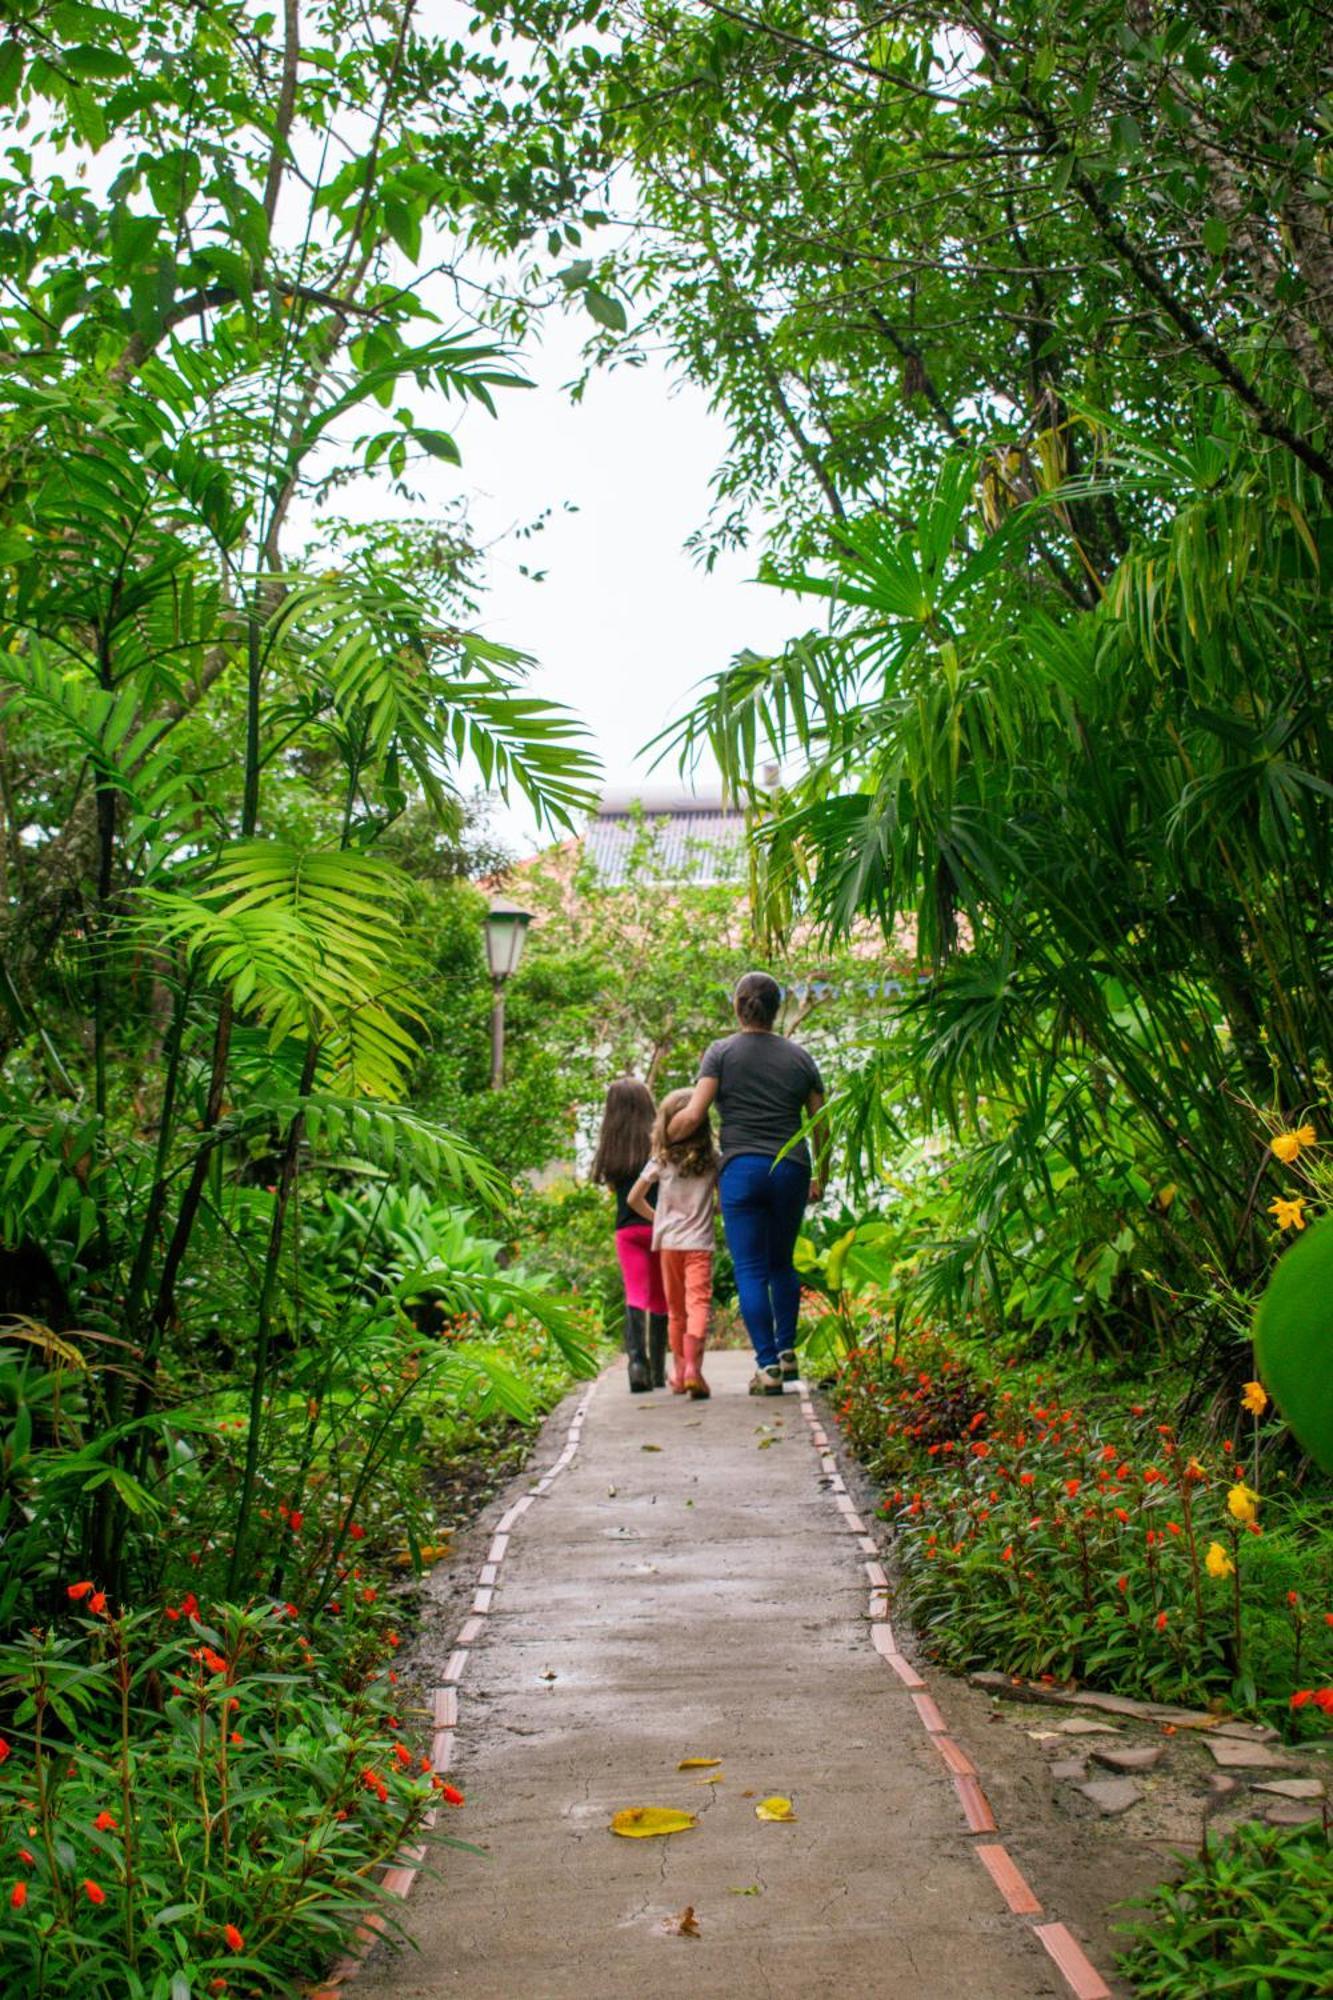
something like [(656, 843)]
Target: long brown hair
[(693, 1156), (626, 1137)]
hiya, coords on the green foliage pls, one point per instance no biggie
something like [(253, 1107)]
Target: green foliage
[(194, 1796), (1247, 1916), (1291, 1340), (1095, 1545)]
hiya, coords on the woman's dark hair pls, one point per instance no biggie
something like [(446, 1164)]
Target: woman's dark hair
[(626, 1138), (758, 997)]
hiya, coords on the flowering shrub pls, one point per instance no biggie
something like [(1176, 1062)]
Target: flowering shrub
[(195, 1804), (1034, 1539)]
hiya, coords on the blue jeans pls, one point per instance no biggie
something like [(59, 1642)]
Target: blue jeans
[(763, 1201)]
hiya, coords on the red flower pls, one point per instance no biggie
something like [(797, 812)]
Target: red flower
[(235, 1942), (357, 1532), (93, 1892), (1302, 1698), (18, 1895), (1007, 1553), (1072, 1486), (26, 1857), (1293, 1597), (450, 1794), (1121, 1515), (1122, 1584), (4, 1749), (78, 1591), (1323, 1699), (294, 1522), (403, 1754), (97, 1603), (1161, 1621), (104, 1823)]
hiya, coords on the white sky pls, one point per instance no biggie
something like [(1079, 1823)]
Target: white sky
[(625, 623)]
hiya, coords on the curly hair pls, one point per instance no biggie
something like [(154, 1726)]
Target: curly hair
[(693, 1156)]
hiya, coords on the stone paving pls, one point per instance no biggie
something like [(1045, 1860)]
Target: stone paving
[(691, 1580)]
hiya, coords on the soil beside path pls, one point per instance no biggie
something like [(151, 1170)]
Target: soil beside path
[(690, 1586)]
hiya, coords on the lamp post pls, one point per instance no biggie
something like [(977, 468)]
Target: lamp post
[(506, 929)]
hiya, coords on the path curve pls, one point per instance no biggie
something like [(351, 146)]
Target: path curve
[(692, 1580)]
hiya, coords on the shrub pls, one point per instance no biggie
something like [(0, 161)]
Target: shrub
[(194, 1804), (1249, 1917), (1034, 1538)]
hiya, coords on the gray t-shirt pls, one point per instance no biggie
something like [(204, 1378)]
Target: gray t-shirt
[(763, 1082)]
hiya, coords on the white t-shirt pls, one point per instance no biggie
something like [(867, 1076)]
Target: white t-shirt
[(685, 1206)]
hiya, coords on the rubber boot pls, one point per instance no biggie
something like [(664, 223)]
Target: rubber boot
[(657, 1337), (640, 1372), (695, 1385)]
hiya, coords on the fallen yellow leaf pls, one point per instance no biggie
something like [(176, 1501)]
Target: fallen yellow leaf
[(650, 1447), (698, 1763), (713, 1778), (641, 1822), (774, 1809)]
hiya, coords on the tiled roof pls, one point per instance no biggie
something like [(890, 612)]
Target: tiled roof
[(692, 840)]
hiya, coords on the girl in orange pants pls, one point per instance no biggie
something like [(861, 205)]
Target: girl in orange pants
[(685, 1174)]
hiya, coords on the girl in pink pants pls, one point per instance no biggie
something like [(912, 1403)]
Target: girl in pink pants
[(684, 1173)]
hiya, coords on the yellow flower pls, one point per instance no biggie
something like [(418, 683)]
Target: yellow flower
[(1255, 1399), (1217, 1562), (1242, 1503), (1288, 1214), (1289, 1146)]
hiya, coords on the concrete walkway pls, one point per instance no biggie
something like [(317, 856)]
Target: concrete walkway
[(692, 1582)]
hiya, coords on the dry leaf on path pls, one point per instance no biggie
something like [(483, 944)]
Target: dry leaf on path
[(751, 1889), (642, 1822), (683, 1924), (714, 1778), (698, 1763), (650, 1447), (775, 1808), (548, 1675)]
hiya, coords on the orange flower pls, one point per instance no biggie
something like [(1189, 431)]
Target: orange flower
[(97, 1603), (78, 1591), (104, 1823), (453, 1797), (18, 1895), (235, 1942), (94, 1892)]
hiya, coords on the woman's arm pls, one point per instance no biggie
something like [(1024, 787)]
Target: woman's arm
[(637, 1198), (692, 1116), (814, 1104)]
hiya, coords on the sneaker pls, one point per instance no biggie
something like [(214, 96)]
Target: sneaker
[(766, 1382), (788, 1366)]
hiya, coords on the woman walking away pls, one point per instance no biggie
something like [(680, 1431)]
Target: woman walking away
[(766, 1087), (623, 1148), (685, 1174)]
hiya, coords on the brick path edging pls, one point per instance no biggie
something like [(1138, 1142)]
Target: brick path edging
[(1076, 1968), (1059, 1942)]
